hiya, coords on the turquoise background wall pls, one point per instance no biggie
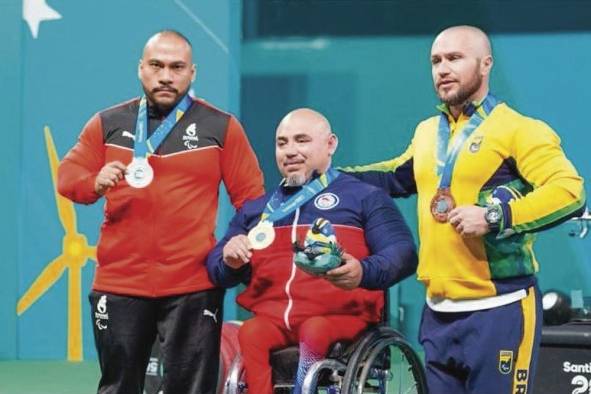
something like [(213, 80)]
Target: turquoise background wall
[(83, 59), (367, 71), (375, 90)]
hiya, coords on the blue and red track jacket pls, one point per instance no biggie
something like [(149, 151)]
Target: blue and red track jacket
[(368, 226)]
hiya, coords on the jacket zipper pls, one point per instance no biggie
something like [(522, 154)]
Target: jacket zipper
[(294, 227)]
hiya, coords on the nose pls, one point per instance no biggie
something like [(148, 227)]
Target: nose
[(165, 76), (442, 68), (290, 149)]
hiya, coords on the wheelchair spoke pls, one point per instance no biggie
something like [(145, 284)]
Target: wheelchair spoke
[(389, 366)]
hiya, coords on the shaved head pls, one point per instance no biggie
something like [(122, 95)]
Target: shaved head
[(304, 144), (461, 61), (177, 36), (315, 121), (470, 37)]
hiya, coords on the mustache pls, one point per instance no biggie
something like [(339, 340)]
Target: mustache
[(442, 81), (164, 89)]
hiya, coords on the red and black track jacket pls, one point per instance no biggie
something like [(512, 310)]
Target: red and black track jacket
[(154, 241)]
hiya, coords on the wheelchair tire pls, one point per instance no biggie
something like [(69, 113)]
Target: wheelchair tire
[(229, 349), (360, 368)]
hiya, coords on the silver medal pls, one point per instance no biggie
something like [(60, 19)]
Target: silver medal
[(262, 235), (139, 173)]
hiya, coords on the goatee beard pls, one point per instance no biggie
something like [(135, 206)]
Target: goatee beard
[(295, 180)]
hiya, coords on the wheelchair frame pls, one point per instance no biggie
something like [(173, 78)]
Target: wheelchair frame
[(350, 373)]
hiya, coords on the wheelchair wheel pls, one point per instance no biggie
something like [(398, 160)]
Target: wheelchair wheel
[(387, 364), (229, 349), (234, 382)]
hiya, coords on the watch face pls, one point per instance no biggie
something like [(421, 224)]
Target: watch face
[(493, 215)]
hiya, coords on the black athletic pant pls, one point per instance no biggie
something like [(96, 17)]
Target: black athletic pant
[(188, 327)]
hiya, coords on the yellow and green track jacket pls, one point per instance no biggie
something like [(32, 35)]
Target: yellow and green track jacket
[(507, 155)]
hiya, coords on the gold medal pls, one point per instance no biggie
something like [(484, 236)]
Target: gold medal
[(262, 235), (442, 204)]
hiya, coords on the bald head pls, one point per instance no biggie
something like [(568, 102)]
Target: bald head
[(304, 143), (471, 38), (168, 36), (312, 120), (461, 62)]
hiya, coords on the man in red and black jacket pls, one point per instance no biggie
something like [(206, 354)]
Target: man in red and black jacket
[(289, 305), (158, 162)]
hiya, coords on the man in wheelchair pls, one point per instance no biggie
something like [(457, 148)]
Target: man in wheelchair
[(328, 288)]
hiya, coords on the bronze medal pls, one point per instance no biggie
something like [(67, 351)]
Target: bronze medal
[(442, 204)]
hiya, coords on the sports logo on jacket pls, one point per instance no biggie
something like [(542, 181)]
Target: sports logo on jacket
[(213, 315), (101, 314), (127, 134), (326, 201), (505, 361), (475, 145), (190, 138)]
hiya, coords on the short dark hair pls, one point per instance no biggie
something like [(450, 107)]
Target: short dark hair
[(176, 33)]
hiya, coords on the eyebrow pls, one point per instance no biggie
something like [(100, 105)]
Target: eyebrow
[(444, 54), (295, 136), (173, 63)]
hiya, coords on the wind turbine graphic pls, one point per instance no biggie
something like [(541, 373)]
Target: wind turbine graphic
[(75, 253)]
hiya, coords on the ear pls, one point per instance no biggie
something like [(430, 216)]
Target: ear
[(486, 65), (193, 72), (333, 143), (139, 70)]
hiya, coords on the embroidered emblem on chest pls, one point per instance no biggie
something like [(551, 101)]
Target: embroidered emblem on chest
[(326, 201), (475, 145), (190, 138)]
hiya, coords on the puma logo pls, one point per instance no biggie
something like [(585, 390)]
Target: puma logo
[(207, 312), (128, 134)]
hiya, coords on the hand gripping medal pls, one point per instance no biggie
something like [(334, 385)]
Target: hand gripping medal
[(320, 252), (262, 235), (139, 173)]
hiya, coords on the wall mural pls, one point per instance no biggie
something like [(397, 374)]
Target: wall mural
[(75, 254)]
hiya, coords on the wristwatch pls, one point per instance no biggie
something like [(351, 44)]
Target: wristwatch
[(493, 216)]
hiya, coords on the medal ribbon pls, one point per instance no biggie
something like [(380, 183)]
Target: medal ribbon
[(276, 210), (142, 144), (446, 156)]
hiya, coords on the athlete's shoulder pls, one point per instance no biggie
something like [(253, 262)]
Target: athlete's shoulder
[(428, 125), (210, 108), (516, 121), (256, 205), (354, 186), (128, 106), (118, 114)]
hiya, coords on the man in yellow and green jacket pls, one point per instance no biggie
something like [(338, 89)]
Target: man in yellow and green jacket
[(487, 179)]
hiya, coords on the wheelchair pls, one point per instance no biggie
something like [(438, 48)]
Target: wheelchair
[(379, 361)]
